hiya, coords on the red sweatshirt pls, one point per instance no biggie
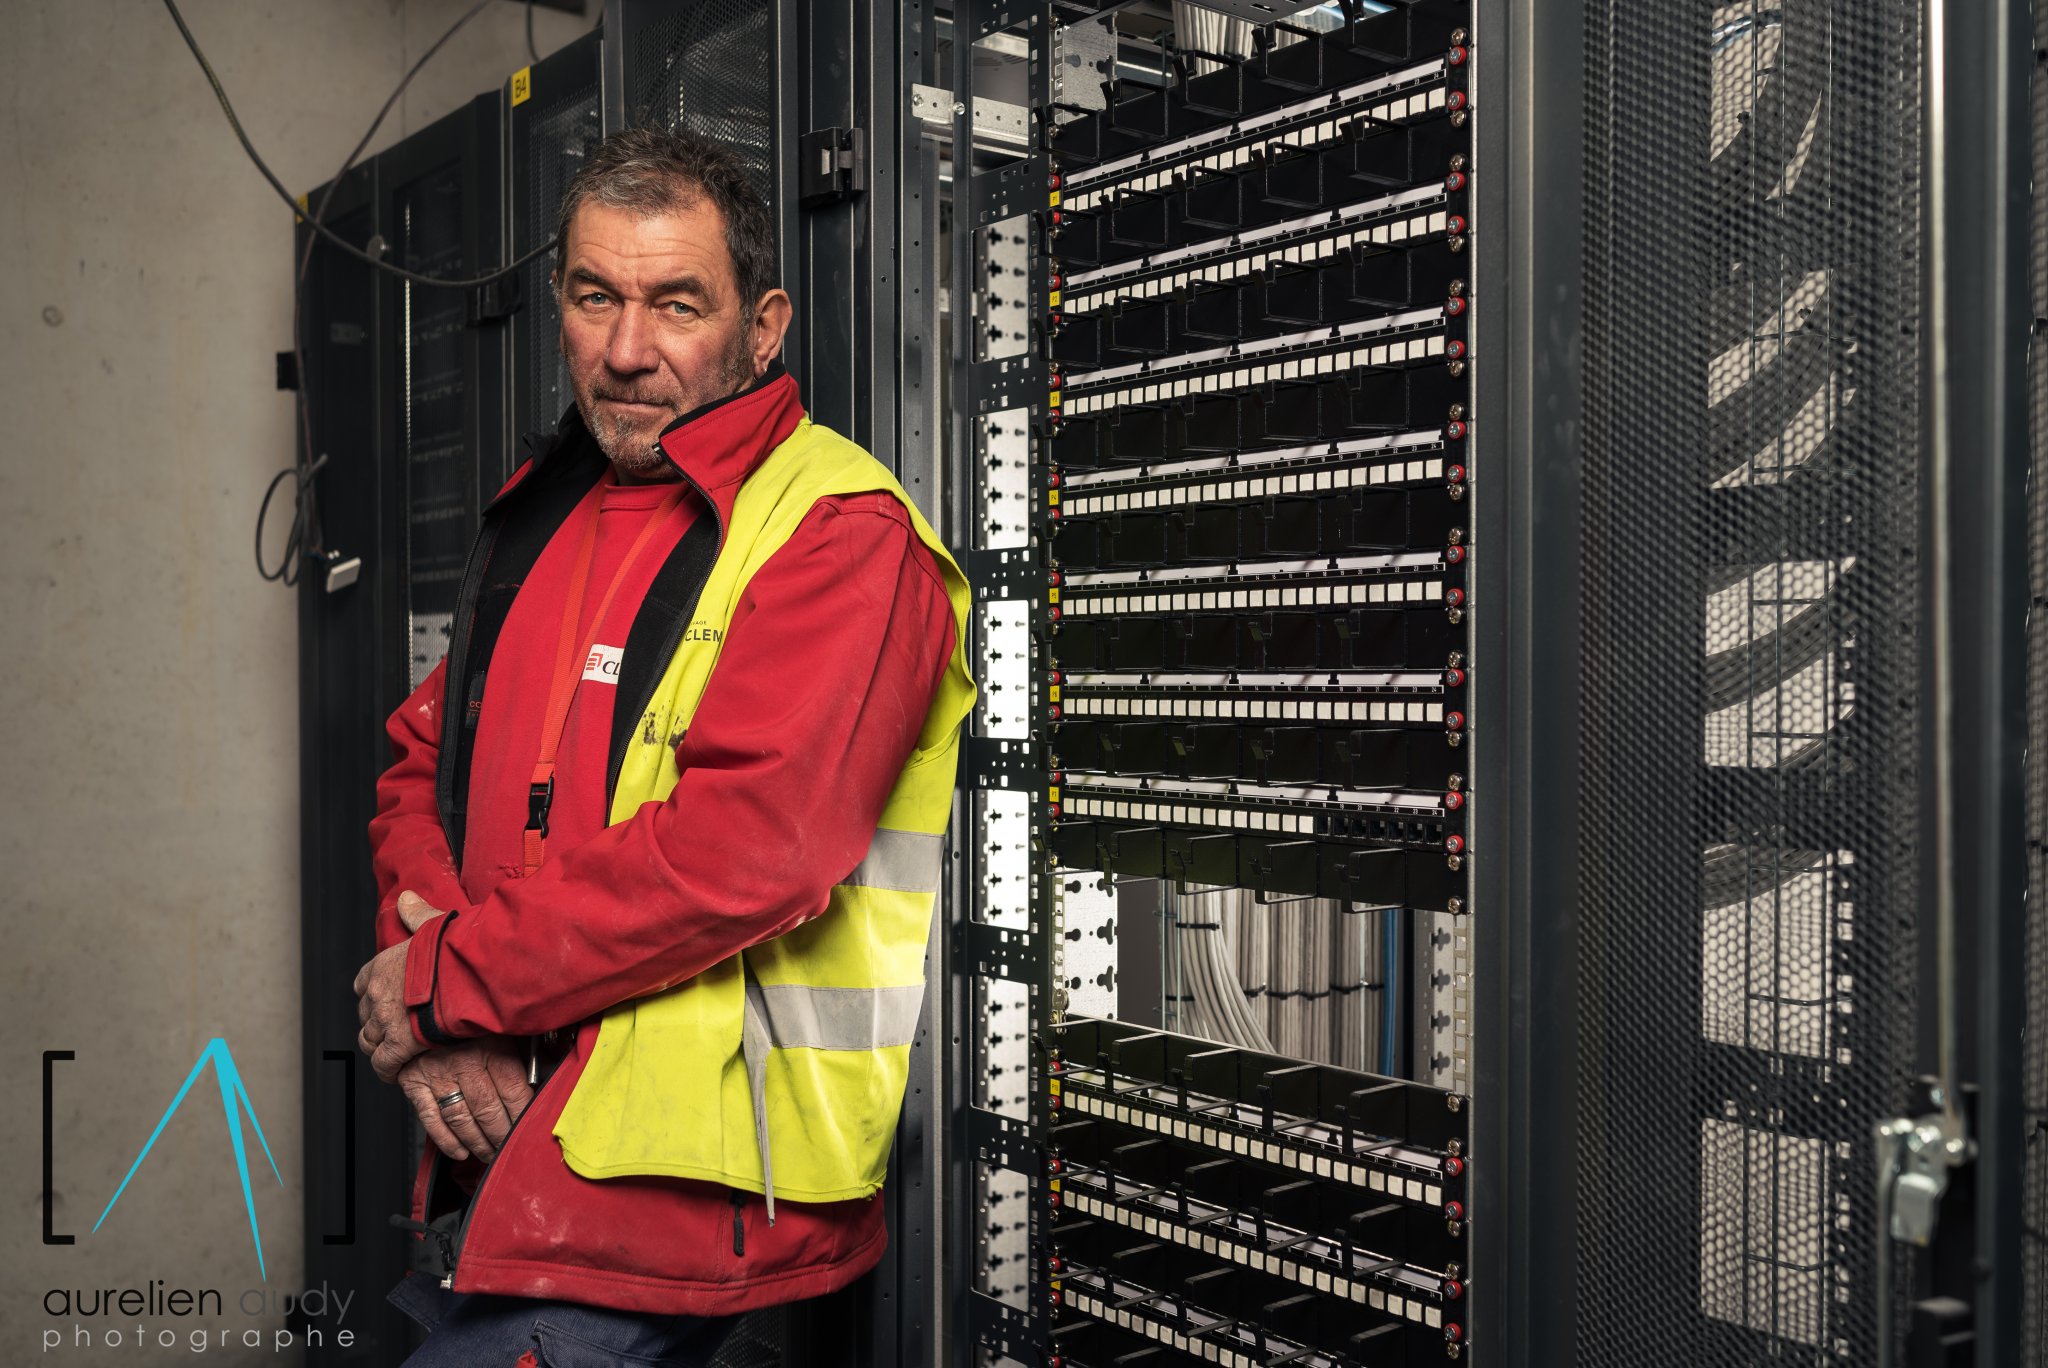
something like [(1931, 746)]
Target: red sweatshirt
[(822, 683)]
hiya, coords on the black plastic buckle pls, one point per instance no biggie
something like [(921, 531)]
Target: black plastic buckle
[(539, 797)]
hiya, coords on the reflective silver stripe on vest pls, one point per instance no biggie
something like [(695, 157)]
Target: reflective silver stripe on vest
[(799, 1017), (907, 861), (796, 1016)]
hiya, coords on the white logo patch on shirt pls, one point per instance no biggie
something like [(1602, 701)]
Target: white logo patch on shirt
[(603, 665)]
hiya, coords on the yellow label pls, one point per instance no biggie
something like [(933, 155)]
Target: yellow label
[(1055, 1087), (1052, 496), (1055, 199), (1055, 398), (1052, 795), (1052, 596), (1055, 299), (1055, 1185), (522, 86), (1055, 688)]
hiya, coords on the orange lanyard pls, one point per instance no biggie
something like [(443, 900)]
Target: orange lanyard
[(570, 661)]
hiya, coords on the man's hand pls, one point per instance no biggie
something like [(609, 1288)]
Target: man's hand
[(386, 1035), (491, 1076)]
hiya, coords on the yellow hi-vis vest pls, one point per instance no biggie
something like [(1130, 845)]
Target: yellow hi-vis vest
[(781, 1069)]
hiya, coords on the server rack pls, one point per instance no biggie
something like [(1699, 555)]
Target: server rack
[(1695, 954), (1213, 352), (405, 389), (556, 117), (351, 662)]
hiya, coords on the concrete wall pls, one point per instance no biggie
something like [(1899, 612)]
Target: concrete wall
[(148, 751)]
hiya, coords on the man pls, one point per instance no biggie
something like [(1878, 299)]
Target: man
[(659, 847)]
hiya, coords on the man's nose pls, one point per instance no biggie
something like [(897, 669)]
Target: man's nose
[(630, 349)]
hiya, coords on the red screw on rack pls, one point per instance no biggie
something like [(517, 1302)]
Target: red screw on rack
[(1055, 1164), (1455, 474), (1053, 479), (1055, 612), (1057, 380), (1455, 844), (1454, 1210), (1453, 1289), (1454, 349), (1057, 676), (1053, 181), (1055, 712), (1455, 597), (1454, 1167), (1452, 802), (1455, 100), (1453, 678), (1455, 429), (1457, 56), (1052, 810), (1455, 225), (1454, 555), (1453, 183), (1454, 720), (1058, 280), (1454, 307), (1454, 1333)]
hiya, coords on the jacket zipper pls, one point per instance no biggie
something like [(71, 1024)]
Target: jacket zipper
[(739, 1226), (669, 642), (451, 720), (477, 1198)]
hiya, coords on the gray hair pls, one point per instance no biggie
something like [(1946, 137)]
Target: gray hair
[(651, 171)]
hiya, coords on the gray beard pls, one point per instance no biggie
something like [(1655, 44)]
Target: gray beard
[(617, 441)]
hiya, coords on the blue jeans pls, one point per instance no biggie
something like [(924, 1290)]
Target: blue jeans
[(471, 1330)]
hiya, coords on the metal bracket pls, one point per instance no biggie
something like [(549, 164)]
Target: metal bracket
[(832, 165), (496, 300), (1914, 1158)]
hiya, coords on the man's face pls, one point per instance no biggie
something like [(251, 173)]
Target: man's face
[(653, 325)]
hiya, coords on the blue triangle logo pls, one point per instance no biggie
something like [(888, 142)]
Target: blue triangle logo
[(234, 1100)]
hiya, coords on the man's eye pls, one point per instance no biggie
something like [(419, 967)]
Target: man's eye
[(680, 309), (595, 297)]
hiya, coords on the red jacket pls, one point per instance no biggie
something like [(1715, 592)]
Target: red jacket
[(822, 683)]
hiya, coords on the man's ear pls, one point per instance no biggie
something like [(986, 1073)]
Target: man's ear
[(771, 325)]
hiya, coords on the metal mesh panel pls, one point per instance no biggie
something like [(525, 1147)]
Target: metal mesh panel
[(758, 1341), (1749, 662), (563, 134), (2034, 1210), (708, 70), (439, 472)]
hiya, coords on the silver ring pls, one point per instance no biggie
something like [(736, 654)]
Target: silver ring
[(450, 1100)]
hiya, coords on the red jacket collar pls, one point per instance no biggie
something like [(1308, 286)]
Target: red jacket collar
[(717, 446)]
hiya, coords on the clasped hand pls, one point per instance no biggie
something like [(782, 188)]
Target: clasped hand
[(489, 1073)]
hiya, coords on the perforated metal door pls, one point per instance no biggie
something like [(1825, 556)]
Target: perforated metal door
[(1750, 695)]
